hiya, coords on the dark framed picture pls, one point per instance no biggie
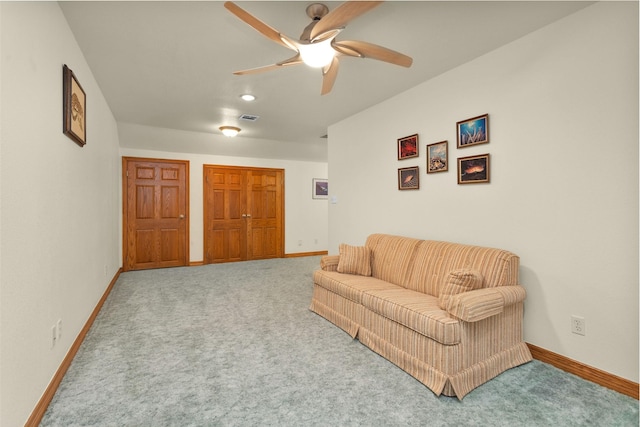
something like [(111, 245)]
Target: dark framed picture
[(408, 147), (74, 107), (473, 131), (438, 157), (409, 178), (473, 169), (320, 188)]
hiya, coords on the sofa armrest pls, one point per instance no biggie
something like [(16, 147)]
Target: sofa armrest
[(329, 262), (479, 304)]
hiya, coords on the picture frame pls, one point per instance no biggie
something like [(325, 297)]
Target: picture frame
[(473, 131), (438, 157), (409, 178), (408, 147), (74, 108), (320, 189), (474, 169)]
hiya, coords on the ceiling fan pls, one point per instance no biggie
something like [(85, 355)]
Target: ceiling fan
[(318, 46)]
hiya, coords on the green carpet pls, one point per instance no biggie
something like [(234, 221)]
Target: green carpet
[(235, 345)]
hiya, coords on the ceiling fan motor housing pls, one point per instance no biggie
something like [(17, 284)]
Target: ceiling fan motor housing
[(316, 11)]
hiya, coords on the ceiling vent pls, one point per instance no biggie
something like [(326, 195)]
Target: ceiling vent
[(249, 117)]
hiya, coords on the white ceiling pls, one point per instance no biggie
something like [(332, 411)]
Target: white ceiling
[(169, 64)]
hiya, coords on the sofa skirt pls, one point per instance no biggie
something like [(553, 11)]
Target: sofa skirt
[(338, 310), (452, 370)]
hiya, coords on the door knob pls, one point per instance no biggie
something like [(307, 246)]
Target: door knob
[(181, 216)]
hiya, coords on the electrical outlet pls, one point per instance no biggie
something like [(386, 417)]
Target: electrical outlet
[(578, 325)]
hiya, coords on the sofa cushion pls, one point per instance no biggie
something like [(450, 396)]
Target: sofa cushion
[(437, 259), (392, 257), (414, 310), (349, 286), (354, 260), (459, 281)]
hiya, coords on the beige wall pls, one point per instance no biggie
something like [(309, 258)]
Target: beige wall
[(59, 223), (563, 106)]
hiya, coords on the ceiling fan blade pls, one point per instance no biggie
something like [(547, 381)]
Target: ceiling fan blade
[(373, 51), (341, 16), (287, 62), (329, 74), (257, 24)]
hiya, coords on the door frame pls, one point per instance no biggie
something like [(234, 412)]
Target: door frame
[(125, 221)]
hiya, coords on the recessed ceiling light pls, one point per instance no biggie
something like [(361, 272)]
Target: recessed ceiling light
[(248, 97), (229, 131)]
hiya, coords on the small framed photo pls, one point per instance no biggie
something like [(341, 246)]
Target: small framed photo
[(408, 147), (409, 178), (473, 169), (74, 123), (320, 188), (437, 157), (473, 131)]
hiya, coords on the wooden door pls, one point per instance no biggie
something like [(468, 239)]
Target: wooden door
[(224, 215), (156, 216), (243, 213), (264, 221)]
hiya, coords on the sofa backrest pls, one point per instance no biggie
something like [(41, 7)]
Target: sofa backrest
[(433, 261), (391, 257)]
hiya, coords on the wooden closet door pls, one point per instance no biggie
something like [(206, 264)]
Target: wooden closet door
[(155, 213), (225, 225), (243, 213), (264, 229)]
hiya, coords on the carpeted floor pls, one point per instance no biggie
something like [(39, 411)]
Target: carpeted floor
[(235, 345)]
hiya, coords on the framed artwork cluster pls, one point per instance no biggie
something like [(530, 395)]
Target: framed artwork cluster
[(472, 169)]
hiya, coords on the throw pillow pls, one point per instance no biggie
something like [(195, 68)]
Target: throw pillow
[(354, 260), (459, 281)]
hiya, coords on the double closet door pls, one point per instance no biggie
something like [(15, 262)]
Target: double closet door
[(243, 213)]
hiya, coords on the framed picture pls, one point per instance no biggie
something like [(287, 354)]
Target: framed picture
[(438, 157), (408, 178), (473, 131), (74, 107), (320, 188), (408, 147), (473, 169)]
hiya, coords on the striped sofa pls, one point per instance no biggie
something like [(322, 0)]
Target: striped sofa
[(448, 314)]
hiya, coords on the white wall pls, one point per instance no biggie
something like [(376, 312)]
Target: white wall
[(59, 228), (563, 106), (305, 218)]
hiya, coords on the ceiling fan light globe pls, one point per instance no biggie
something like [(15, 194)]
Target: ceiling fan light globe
[(317, 55)]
